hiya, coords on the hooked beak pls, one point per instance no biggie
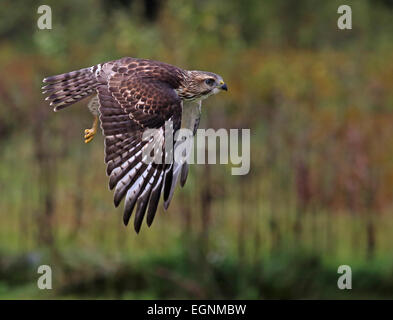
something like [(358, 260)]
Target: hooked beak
[(223, 86)]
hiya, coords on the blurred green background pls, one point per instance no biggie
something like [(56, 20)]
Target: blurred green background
[(318, 101)]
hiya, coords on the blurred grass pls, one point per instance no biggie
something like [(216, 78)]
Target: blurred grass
[(319, 193)]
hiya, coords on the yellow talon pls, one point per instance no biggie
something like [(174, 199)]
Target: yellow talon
[(90, 133)]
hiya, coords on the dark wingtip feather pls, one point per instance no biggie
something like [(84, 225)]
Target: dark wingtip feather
[(112, 182), (57, 108), (127, 213), (116, 200), (126, 218), (153, 202), (140, 212), (168, 182), (149, 221), (175, 178), (129, 207), (145, 199), (184, 174)]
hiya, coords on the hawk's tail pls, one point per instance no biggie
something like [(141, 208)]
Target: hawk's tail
[(67, 88)]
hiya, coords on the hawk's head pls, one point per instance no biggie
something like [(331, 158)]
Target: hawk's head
[(198, 85)]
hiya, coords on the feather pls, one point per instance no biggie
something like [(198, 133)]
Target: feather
[(184, 174), (168, 183), (175, 178), (119, 172), (126, 182), (69, 88), (143, 200), (134, 192), (154, 199)]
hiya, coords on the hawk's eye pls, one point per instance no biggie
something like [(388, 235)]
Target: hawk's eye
[(209, 81)]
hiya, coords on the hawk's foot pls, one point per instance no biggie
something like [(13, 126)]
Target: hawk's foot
[(90, 133)]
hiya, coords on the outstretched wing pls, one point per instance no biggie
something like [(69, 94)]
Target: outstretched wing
[(191, 117), (136, 97)]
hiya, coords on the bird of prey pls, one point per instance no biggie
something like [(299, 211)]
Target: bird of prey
[(130, 96)]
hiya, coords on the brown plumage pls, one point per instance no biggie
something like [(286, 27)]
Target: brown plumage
[(135, 95)]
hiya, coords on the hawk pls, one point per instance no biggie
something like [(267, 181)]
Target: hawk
[(131, 96)]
